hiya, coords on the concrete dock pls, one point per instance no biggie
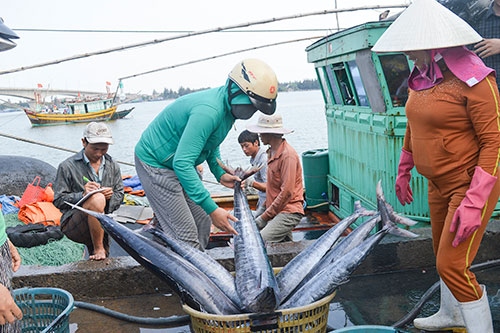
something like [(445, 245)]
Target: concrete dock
[(123, 276)]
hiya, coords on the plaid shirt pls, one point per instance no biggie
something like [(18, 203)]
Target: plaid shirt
[(489, 27)]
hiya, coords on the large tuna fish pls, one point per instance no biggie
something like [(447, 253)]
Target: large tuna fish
[(255, 280), (193, 286), (298, 268), (386, 214), (212, 269), (327, 280)]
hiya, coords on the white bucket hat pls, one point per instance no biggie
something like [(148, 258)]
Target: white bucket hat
[(98, 133), (426, 25), (272, 124)]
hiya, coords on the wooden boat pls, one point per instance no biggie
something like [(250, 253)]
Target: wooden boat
[(75, 111), (312, 225)]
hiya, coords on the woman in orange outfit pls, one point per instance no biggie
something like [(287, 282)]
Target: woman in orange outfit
[(453, 139)]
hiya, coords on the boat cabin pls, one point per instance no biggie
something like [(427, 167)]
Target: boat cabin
[(79, 107), (365, 95)]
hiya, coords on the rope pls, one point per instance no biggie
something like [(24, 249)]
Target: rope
[(51, 146), (216, 56), (165, 31), (196, 33), (73, 151)]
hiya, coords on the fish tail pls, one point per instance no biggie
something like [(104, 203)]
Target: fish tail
[(362, 211), (387, 216)]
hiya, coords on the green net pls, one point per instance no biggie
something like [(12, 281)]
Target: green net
[(54, 253)]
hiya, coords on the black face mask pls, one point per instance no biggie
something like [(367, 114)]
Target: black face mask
[(243, 111)]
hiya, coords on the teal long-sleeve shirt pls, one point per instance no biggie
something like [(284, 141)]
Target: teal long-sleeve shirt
[(187, 133)]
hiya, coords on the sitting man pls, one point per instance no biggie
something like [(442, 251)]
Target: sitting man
[(284, 189), (86, 171), (250, 144)]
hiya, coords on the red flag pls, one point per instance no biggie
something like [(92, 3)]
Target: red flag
[(108, 83), (39, 85)]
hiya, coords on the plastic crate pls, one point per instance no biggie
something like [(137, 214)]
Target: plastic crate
[(44, 309), (310, 318)]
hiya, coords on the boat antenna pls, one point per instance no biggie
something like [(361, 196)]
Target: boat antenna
[(200, 32), (116, 91)]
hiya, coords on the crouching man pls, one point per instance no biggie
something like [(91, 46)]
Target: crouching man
[(86, 171)]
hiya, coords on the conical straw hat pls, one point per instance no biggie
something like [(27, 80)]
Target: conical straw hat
[(426, 25)]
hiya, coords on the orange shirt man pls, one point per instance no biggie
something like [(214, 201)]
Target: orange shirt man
[(284, 190)]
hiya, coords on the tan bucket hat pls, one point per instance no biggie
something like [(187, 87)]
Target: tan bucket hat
[(426, 25), (269, 124)]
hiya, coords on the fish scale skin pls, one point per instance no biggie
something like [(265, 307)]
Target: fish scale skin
[(212, 269), (357, 236), (255, 280), (292, 274), (189, 282), (327, 280)]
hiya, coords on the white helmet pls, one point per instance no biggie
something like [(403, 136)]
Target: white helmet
[(258, 81)]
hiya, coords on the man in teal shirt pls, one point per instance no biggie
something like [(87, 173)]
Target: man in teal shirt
[(187, 133)]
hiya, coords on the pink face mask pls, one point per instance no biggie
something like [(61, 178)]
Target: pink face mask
[(464, 64), (426, 77)]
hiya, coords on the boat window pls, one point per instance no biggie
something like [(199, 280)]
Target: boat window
[(79, 108), (95, 106), (358, 83), (333, 84), (324, 85), (396, 72), (345, 87)]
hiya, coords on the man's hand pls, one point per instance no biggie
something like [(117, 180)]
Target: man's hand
[(108, 192), (247, 183), (9, 311), (90, 186), (220, 218), (16, 258), (487, 47), (228, 180)]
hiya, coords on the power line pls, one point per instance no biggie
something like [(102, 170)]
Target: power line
[(216, 56), (201, 32), (167, 31)]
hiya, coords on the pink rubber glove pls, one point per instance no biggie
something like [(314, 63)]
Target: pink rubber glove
[(467, 217), (403, 189)]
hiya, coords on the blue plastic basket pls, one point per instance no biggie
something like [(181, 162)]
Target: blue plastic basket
[(44, 309), (369, 329)]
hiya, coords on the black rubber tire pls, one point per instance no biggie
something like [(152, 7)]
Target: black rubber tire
[(32, 234)]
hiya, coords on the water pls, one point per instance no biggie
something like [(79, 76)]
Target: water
[(302, 111), (380, 299)]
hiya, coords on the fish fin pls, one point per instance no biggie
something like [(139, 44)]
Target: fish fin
[(397, 218), (230, 243), (225, 167), (362, 211), (251, 171), (402, 233), (400, 219), (386, 216), (153, 224)]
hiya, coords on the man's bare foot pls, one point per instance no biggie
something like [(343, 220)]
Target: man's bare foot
[(98, 255)]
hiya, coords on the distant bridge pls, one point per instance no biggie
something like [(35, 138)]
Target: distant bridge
[(30, 93)]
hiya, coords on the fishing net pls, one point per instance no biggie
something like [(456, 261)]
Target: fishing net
[(54, 253)]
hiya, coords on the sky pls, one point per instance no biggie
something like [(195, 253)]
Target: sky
[(289, 61)]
